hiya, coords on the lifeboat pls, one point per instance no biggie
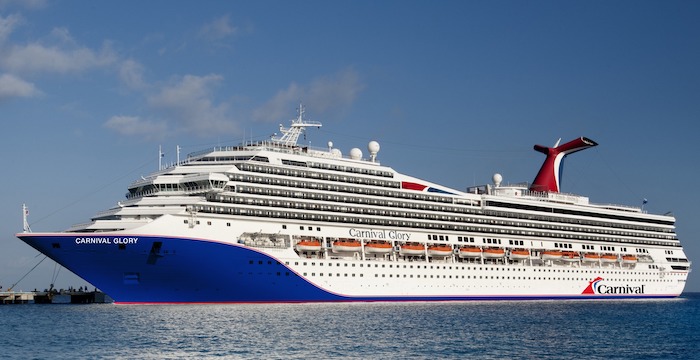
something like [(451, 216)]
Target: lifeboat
[(551, 255), (629, 259), (469, 252), (494, 253), (309, 245), (570, 256), (591, 257), (346, 245), (608, 258), (378, 247), (439, 250), (519, 254), (412, 249)]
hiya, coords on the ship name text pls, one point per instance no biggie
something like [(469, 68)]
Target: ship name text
[(379, 234), (106, 240)]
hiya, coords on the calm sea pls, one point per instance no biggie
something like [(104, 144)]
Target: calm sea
[(643, 329)]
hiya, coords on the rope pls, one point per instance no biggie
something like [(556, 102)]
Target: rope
[(25, 275)]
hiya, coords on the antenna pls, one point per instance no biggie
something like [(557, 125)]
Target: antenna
[(291, 135)]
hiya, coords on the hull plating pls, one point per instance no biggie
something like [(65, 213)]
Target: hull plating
[(148, 269)]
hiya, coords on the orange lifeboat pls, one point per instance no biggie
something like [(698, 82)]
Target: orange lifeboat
[(570, 256), (629, 259), (608, 258), (378, 247), (469, 252), (346, 245), (591, 257), (551, 255), (309, 245), (439, 250), (494, 253), (412, 249), (519, 254)]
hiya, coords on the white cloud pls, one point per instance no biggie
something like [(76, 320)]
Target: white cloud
[(12, 86), (189, 107), (61, 58), (133, 125), (324, 95), (8, 25), (336, 91), (218, 29), (280, 106), (131, 74)]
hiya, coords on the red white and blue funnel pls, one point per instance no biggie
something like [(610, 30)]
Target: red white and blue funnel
[(548, 177)]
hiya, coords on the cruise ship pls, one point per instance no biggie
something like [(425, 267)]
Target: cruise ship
[(275, 221)]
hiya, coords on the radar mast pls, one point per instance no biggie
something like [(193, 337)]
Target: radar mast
[(291, 135)]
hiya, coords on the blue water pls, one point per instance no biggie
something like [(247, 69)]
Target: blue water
[(640, 329)]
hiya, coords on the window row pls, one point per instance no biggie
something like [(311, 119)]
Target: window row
[(495, 217), (414, 224), (330, 206), (318, 175)]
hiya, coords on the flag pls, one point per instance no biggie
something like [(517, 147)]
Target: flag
[(644, 201)]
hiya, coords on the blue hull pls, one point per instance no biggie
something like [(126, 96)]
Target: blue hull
[(179, 270)]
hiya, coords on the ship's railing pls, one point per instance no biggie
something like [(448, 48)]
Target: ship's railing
[(141, 194), (271, 145), (194, 155)]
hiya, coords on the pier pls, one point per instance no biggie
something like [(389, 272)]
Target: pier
[(54, 297)]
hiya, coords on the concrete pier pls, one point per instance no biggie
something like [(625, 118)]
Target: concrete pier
[(54, 297), (16, 297)]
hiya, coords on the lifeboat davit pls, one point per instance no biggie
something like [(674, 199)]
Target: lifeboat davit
[(412, 249), (494, 253), (629, 259), (519, 254), (309, 245), (608, 258), (469, 252), (378, 247), (591, 257), (570, 256), (551, 255), (346, 245), (439, 250)]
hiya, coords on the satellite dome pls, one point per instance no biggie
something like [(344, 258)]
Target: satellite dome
[(373, 148), (356, 154), (337, 153), (497, 179)]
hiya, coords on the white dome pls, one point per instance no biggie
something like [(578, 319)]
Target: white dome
[(497, 179), (373, 147), (356, 154), (336, 153)]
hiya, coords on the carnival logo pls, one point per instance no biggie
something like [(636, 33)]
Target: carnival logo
[(592, 286), (595, 287)]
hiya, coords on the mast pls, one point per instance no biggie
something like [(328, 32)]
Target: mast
[(25, 213), (291, 135)]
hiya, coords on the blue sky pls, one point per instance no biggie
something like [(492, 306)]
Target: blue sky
[(454, 91)]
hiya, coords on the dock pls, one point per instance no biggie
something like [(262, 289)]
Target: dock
[(54, 297)]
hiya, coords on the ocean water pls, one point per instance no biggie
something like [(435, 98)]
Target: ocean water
[(639, 329)]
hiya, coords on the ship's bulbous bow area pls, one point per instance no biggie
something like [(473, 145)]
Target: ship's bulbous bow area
[(549, 176)]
